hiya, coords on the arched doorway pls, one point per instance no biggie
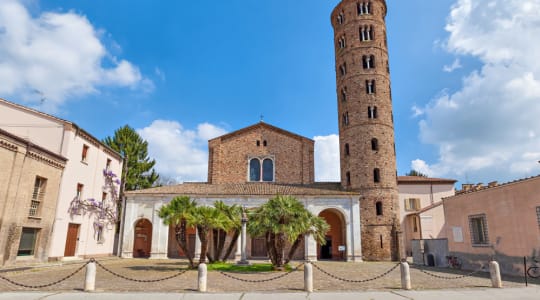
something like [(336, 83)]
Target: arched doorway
[(334, 249), (142, 244)]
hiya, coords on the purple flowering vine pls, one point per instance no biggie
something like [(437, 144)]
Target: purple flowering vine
[(105, 211)]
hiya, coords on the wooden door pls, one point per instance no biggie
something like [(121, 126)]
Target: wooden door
[(258, 247), (71, 239), (142, 244)]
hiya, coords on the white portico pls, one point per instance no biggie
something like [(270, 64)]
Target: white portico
[(145, 235)]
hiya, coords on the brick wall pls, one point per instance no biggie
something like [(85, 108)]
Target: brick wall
[(230, 154), (357, 131)]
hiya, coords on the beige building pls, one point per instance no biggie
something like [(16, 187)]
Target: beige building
[(29, 188), (421, 210), (497, 221), (74, 234)]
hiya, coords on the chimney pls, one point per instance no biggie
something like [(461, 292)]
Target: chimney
[(466, 187), (493, 184)]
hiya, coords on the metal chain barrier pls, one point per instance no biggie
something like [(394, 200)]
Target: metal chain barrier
[(419, 268), (261, 280), (48, 284), (356, 281), (140, 280)]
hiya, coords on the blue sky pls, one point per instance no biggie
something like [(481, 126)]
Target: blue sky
[(466, 100)]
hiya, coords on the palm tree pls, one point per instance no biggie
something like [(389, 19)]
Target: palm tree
[(206, 218), (177, 213), (281, 219), (234, 225)]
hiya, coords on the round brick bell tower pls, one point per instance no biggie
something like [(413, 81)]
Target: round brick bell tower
[(366, 126)]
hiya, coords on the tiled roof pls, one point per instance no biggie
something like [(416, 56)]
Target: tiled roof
[(251, 189), (421, 179)]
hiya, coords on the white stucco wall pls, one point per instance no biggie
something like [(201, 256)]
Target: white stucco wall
[(146, 207)]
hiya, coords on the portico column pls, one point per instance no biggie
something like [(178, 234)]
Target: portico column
[(310, 246)]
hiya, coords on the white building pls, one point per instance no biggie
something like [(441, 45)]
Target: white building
[(74, 235)]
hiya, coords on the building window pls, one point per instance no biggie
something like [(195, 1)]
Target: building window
[(343, 69), (344, 94), (37, 196), (412, 204), (84, 154), (265, 143), (27, 244), (341, 42), (345, 118), (414, 220), (364, 8), (341, 18), (370, 87), (258, 143), (538, 215), (366, 33), (379, 208), (255, 170), (374, 144), (478, 229), (261, 169), (103, 196), (368, 62), (348, 178), (108, 164), (268, 170), (80, 188), (372, 112), (99, 234), (376, 175), (347, 150)]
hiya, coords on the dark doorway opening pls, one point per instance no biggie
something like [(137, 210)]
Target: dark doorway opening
[(326, 250)]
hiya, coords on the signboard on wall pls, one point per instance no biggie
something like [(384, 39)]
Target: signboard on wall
[(458, 234)]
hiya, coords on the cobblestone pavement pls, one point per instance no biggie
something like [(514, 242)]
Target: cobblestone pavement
[(143, 269)]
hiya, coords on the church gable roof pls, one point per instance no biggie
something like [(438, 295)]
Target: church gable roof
[(262, 125)]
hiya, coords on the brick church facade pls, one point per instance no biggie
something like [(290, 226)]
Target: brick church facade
[(253, 164)]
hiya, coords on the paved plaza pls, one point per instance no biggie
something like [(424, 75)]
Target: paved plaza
[(146, 269)]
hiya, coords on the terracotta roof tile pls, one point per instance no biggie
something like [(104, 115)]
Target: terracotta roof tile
[(251, 189)]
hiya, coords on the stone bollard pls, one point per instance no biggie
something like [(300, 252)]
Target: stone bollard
[(405, 276), (308, 277), (495, 273), (203, 272), (90, 277)]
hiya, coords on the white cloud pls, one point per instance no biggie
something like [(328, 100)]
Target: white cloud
[(484, 130), (422, 167), (180, 153), (327, 158), (454, 66), (58, 54)]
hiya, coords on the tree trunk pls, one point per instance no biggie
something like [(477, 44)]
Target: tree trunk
[(180, 231), (271, 247), (230, 249), (222, 235), (280, 245), (294, 247), (203, 236)]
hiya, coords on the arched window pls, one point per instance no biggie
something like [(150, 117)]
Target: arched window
[(364, 8), (347, 150), (366, 33), (345, 118), (341, 18), (343, 69), (265, 143), (344, 94), (379, 208), (370, 87), (372, 112), (348, 178), (254, 170), (368, 62), (374, 144), (341, 42), (268, 170), (376, 175)]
